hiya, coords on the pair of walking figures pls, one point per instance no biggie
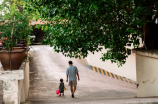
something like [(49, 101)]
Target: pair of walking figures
[(71, 77)]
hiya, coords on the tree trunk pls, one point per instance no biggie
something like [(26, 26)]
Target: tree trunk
[(151, 36)]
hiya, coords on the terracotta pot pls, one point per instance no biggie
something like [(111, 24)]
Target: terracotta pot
[(25, 48), (12, 60)]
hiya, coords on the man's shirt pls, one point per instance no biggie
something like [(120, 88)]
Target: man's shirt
[(71, 72)]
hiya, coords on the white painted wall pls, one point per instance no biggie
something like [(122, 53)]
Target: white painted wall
[(24, 85), (15, 84), (147, 73), (128, 70)]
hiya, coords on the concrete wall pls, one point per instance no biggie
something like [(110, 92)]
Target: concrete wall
[(15, 84), (0, 65), (147, 73), (128, 70), (1, 92), (23, 85), (27, 79)]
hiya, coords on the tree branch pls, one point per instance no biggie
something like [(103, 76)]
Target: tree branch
[(127, 9), (136, 28), (102, 24), (20, 9), (151, 7)]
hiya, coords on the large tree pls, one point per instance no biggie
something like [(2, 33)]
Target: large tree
[(75, 27)]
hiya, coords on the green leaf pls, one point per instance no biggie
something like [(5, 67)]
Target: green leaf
[(79, 27)]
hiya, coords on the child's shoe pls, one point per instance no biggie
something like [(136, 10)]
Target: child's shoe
[(63, 94), (59, 94)]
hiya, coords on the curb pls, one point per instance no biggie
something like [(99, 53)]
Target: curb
[(112, 75)]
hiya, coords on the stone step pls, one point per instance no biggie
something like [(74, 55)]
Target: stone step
[(74, 101)]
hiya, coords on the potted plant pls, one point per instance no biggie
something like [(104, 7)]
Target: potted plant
[(13, 30)]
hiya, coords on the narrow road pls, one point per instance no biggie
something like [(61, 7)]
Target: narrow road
[(46, 69)]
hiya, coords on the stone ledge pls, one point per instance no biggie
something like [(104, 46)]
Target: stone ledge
[(149, 53), (12, 75)]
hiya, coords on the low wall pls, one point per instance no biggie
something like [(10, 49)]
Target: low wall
[(23, 85), (147, 73), (1, 91), (128, 70), (15, 84)]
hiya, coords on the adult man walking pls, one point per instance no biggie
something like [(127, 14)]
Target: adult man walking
[(71, 73)]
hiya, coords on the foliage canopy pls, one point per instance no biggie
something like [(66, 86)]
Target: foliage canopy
[(75, 27)]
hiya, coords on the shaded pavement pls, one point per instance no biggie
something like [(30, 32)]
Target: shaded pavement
[(46, 69)]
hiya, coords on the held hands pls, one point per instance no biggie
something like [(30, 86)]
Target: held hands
[(67, 79)]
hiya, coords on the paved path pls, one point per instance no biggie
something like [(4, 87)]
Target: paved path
[(47, 67)]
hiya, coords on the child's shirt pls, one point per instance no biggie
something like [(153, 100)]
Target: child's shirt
[(61, 87)]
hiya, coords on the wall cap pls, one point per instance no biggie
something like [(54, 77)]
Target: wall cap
[(149, 53), (14, 74)]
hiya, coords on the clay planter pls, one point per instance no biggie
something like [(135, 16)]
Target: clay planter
[(12, 60), (24, 48)]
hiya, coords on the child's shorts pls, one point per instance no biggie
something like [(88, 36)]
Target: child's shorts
[(73, 83)]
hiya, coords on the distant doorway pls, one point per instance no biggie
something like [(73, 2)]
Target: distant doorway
[(39, 35)]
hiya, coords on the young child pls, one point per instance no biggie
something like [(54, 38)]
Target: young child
[(61, 87)]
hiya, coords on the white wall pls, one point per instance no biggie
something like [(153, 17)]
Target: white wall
[(0, 65), (23, 85), (147, 73), (128, 70)]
